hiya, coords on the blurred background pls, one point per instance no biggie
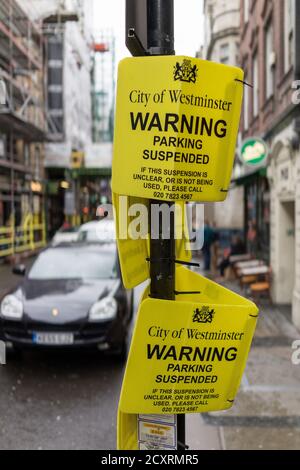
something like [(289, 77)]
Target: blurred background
[(58, 61)]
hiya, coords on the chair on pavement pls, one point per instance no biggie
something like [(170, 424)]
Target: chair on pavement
[(262, 287)]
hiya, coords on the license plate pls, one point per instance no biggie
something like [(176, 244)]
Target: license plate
[(53, 339)]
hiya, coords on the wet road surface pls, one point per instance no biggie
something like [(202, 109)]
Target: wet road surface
[(59, 400)]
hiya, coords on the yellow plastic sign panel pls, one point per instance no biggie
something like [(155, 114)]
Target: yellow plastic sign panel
[(132, 229), (188, 355), (133, 252), (146, 432), (127, 431), (176, 127)]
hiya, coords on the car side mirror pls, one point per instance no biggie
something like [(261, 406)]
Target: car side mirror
[(19, 270)]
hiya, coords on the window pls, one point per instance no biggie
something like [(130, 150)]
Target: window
[(69, 263), (246, 11), (55, 84), (269, 61), (288, 34), (246, 106), (255, 85), (2, 146), (37, 163), (224, 53), (26, 155)]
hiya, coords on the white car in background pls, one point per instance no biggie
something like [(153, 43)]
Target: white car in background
[(65, 235), (102, 231)]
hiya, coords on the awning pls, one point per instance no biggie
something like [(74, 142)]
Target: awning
[(249, 177), (62, 17), (76, 172), (91, 172)]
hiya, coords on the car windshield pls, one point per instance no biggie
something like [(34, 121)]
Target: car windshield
[(97, 233), (75, 263)]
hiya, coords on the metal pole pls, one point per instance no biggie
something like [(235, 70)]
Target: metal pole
[(160, 26)]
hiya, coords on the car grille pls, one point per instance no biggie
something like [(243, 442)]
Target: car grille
[(37, 326), (14, 329), (19, 330)]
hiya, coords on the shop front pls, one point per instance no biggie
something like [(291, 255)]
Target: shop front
[(284, 176), (256, 213)]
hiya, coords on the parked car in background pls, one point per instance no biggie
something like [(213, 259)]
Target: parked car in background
[(102, 231), (64, 235), (71, 297)]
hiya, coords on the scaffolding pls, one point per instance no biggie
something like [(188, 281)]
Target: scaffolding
[(21, 68), (28, 237), (23, 127), (103, 81)]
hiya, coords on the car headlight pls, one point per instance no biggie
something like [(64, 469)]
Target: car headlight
[(12, 307), (104, 309)]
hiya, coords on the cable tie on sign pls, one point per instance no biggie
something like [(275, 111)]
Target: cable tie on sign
[(177, 261), (224, 190), (253, 316), (243, 82), (187, 263), (176, 292), (231, 401)]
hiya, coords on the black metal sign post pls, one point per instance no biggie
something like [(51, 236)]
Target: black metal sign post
[(150, 31)]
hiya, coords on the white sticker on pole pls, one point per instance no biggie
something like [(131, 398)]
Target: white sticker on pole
[(157, 432)]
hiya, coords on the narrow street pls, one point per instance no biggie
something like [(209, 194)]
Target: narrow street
[(58, 400), (67, 400)]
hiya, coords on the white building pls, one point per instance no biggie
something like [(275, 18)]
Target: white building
[(284, 178), (221, 44), (221, 31), (68, 27)]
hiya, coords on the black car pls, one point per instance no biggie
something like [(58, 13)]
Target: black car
[(72, 296)]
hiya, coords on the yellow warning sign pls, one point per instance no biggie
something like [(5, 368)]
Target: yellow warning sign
[(132, 228), (176, 127), (188, 356), (132, 248), (127, 431)]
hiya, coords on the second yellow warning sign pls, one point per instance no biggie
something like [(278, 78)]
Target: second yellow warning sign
[(188, 355)]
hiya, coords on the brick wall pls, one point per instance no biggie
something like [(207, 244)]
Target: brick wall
[(253, 39)]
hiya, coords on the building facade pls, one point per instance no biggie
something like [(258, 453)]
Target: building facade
[(70, 129), (77, 168), (221, 44), (269, 34), (221, 31), (67, 29), (23, 128)]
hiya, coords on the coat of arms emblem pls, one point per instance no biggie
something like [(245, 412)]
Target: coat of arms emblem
[(203, 315), (186, 72)]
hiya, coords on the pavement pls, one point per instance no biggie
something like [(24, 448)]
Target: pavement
[(69, 401), (266, 412)]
